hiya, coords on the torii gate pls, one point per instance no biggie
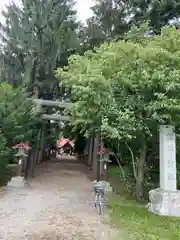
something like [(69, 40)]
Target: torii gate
[(49, 103), (93, 147), (36, 156)]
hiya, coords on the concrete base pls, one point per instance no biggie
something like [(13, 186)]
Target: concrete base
[(164, 203), (107, 186), (17, 182)]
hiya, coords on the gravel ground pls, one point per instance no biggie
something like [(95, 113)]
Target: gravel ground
[(58, 204)]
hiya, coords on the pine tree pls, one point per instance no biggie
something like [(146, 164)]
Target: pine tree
[(158, 13), (37, 37), (109, 22)]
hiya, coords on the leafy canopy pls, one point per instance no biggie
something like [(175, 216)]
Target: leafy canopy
[(126, 87), (16, 114)]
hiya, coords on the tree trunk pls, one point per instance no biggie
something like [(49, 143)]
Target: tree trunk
[(95, 162), (102, 170), (90, 155), (140, 171), (38, 146), (39, 160)]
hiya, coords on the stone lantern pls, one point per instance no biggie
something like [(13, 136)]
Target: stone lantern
[(19, 181), (21, 155)]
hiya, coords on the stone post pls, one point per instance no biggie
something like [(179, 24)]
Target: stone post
[(19, 167), (166, 199), (167, 158)]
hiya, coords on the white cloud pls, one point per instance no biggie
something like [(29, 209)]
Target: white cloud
[(3, 3), (84, 11)]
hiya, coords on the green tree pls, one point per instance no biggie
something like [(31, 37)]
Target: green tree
[(112, 19), (16, 119), (4, 152), (16, 114), (109, 22), (127, 89), (37, 37), (159, 13), (90, 35)]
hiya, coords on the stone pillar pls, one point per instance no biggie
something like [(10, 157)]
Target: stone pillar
[(167, 158), (166, 199)]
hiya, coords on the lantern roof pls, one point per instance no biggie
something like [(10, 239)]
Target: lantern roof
[(22, 145)]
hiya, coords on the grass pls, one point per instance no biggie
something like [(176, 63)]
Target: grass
[(12, 165), (134, 219)]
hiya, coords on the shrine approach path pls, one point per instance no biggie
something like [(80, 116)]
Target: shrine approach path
[(58, 204)]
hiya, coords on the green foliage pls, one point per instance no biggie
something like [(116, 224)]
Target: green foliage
[(37, 37), (109, 22), (112, 19), (133, 219), (16, 118), (16, 113), (4, 152), (126, 90), (136, 223), (126, 87), (159, 13)]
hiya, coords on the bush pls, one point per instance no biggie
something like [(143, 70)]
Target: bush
[(4, 170)]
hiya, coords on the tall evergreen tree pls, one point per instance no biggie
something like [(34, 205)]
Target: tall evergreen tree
[(109, 22), (113, 18), (158, 13), (37, 37)]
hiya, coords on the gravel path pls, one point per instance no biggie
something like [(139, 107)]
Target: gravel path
[(57, 205)]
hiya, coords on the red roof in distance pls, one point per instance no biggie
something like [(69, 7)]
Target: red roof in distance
[(64, 141)]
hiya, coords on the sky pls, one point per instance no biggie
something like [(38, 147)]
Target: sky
[(83, 7)]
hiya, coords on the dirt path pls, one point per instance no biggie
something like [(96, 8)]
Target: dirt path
[(57, 205)]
